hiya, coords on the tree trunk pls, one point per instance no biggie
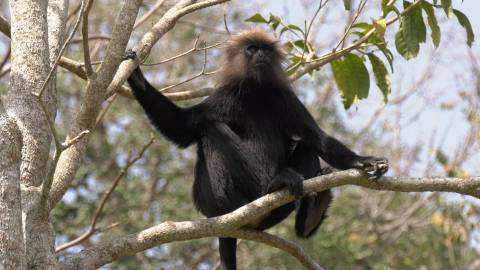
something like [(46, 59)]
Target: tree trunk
[(35, 46), (12, 249)]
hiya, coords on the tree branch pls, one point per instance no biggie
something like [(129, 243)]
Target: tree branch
[(104, 200), (277, 242), (85, 119), (4, 26), (147, 15), (329, 57), (86, 48), (168, 231), (165, 24)]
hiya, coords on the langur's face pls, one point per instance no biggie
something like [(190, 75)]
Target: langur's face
[(259, 55), (252, 55), (261, 60)]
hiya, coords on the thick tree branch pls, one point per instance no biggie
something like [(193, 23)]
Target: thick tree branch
[(223, 225), (85, 118), (165, 24)]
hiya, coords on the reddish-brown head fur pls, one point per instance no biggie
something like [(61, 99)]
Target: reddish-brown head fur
[(235, 65)]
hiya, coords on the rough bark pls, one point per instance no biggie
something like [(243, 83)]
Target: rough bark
[(34, 43), (12, 249), (30, 66)]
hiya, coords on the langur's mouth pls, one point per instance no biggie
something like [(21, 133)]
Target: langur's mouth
[(261, 64)]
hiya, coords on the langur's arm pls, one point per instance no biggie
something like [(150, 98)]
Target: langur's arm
[(180, 125)]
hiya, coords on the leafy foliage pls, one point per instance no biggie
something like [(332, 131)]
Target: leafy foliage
[(432, 22), (410, 34), (463, 20), (381, 75), (351, 77)]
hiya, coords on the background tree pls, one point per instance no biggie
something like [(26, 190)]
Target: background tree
[(78, 163)]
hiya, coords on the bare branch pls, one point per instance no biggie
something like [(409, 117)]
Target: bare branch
[(86, 48), (203, 72), (361, 5), (147, 15), (7, 56), (166, 232), (104, 200), (274, 241), (327, 58), (70, 142), (54, 66), (194, 48), (86, 116), (165, 24), (4, 26)]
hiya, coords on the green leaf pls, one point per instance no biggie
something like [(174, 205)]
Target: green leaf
[(293, 68), (300, 45), (288, 47), (388, 54), (411, 33), (447, 6), (432, 22), (291, 27), (347, 4), (463, 20), (363, 26), (386, 9), (380, 27), (351, 77), (382, 77), (257, 18), (381, 45), (274, 21)]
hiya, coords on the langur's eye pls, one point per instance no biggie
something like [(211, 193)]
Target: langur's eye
[(251, 49)]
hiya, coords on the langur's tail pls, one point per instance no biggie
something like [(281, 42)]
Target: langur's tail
[(311, 212), (228, 253)]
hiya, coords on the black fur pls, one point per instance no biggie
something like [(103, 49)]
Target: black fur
[(253, 136)]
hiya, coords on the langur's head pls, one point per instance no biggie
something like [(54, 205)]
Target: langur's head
[(252, 55)]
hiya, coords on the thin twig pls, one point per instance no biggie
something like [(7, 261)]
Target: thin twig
[(327, 58), (104, 200), (203, 72), (5, 72), (148, 14), (289, 247), (307, 30), (104, 111), (54, 66), (226, 24), (194, 48), (7, 57), (97, 36), (74, 11), (70, 142), (47, 184), (86, 48), (361, 5)]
